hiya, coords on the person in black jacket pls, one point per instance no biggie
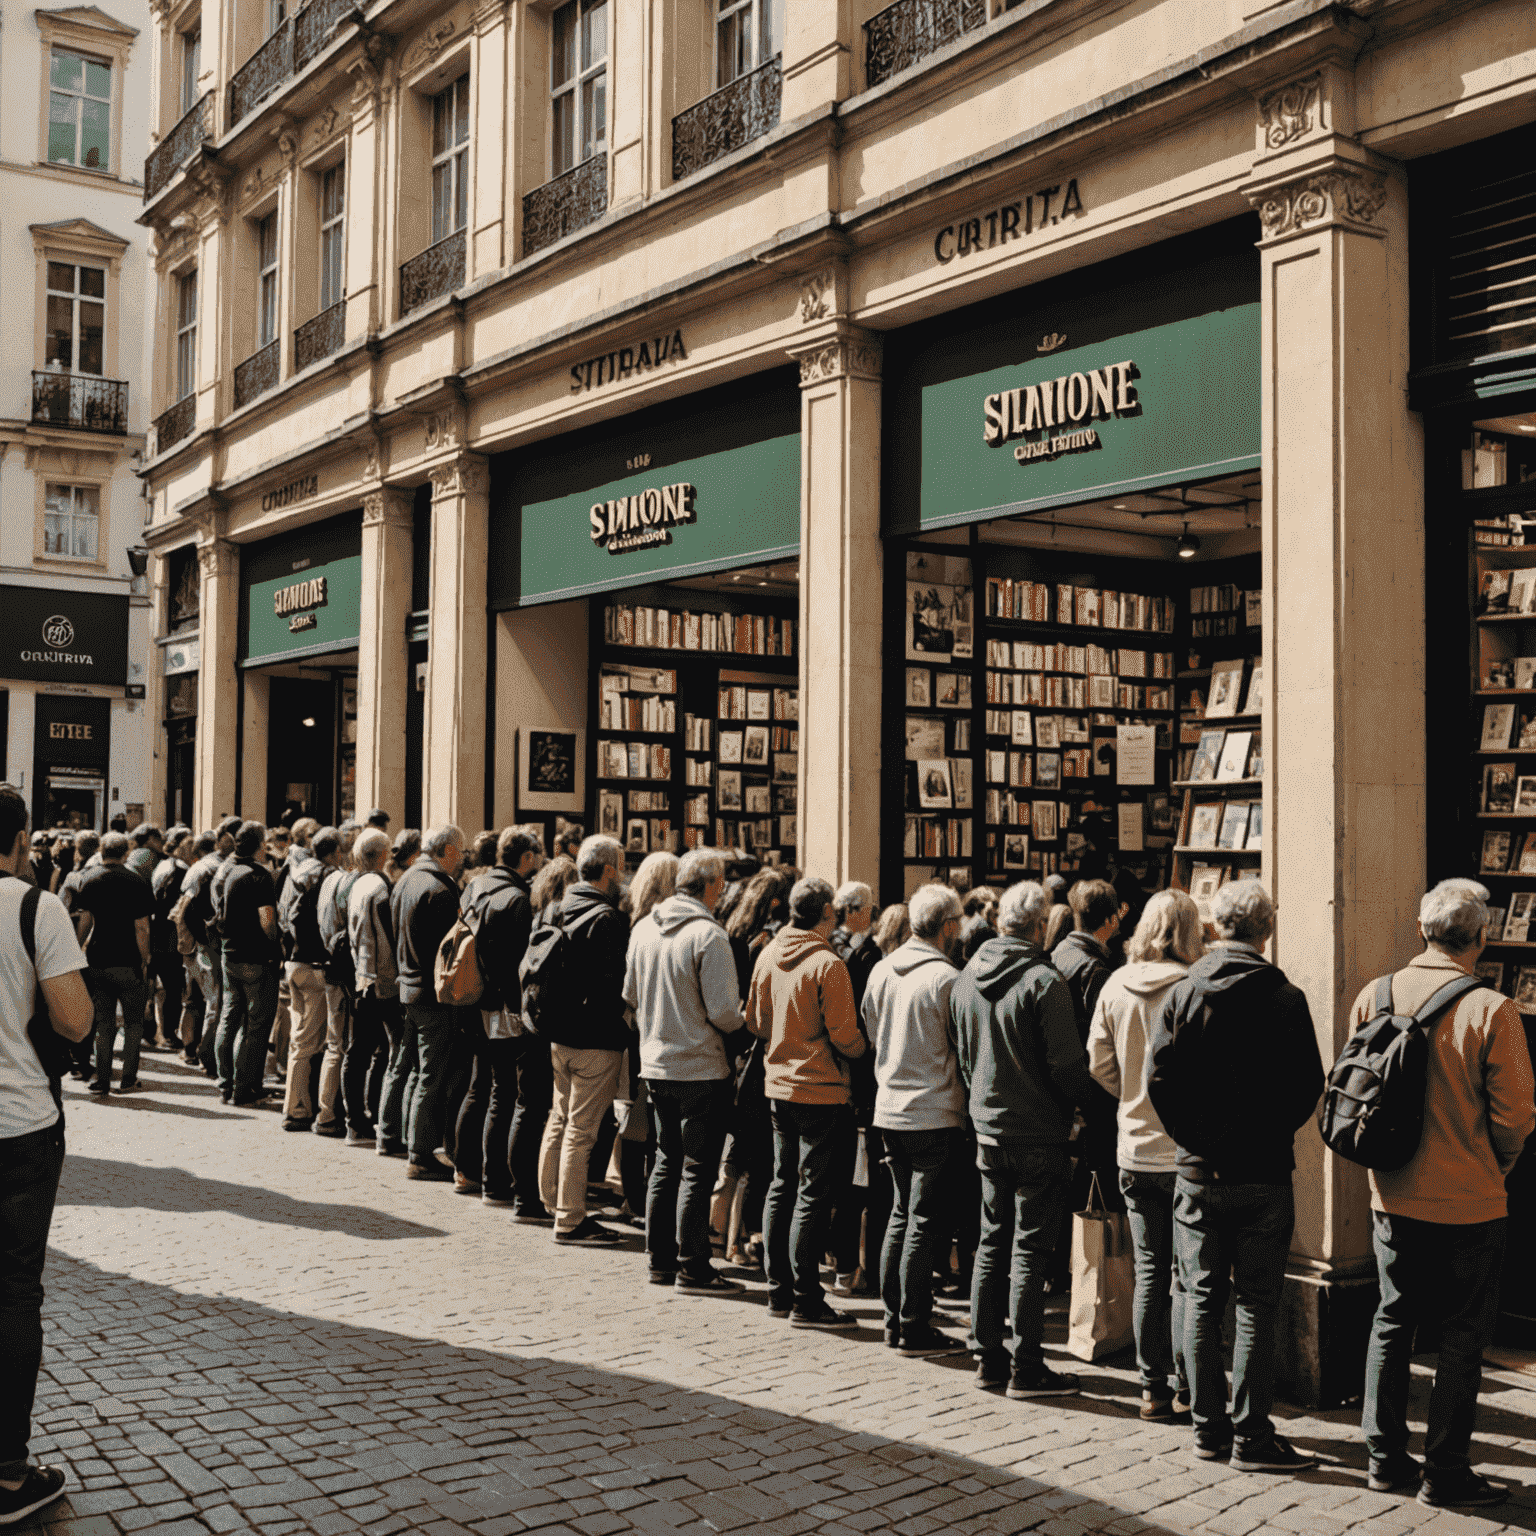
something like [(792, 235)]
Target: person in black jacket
[(1235, 1073), (496, 1143)]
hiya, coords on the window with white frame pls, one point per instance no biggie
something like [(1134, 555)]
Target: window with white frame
[(747, 34), (186, 334), (266, 284), (450, 159), (71, 521), (77, 315), (191, 67), (578, 83), (333, 211), (79, 110)]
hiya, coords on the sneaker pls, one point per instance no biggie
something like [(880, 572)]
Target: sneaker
[(1042, 1381), (96, 1086), (129, 1086), (500, 1201), (39, 1486), (251, 1100), (842, 1285), (1275, 1454), (993, 1371), (1213, 1450), (335, 1129), (1162, 1410), (464, 1186), (780, 1308), (822, 1317), (661, 1276), (1396, 1473), (431, 1173), (297, 1125), (712, 1284), (531, 1215), (441, 1155), (928, 1340), (1462, 1489), (191, 1059), (589, 1234), (389, 1148)]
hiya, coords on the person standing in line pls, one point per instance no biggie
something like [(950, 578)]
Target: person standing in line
[(197, 1021), (147, 851), (424, 907), (245, 918), (919, 1112), (1439, 1221), (197, 914), (298, 916), (1166, 943), (41, 861), (1024, 1068), (112, 909), (680, 982), (340, 981), (87, 846), (377, 1028), (44, 979), (801, 1004), (403, 853), (165, 958), (1235, 1074), (378, 818)]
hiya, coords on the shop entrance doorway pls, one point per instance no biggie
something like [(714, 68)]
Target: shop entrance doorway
[(73, 798), (301, 748)]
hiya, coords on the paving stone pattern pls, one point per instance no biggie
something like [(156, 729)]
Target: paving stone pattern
[(253, 1331)]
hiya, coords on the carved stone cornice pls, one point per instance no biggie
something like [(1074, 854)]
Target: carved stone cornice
[(818, 296), (462, 475), (1341, 196), (848, 354), (1290, 112), (212, 552), (391, 507), (443, 429)]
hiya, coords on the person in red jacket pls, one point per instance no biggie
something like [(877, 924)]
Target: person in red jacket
[(801, 1003)]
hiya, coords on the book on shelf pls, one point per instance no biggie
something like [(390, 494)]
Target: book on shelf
[(1495, 855), (1207, 757), (1233, 764), (1524, 989), (1255, 827), (1204, 882), (1517, 925), (1234, 825), (1226, 689), (697, 733), (1525, 861), (744, 634), (1205, 824), (1490, 973), (1493, 592), (1499, 789), (1498, 727)]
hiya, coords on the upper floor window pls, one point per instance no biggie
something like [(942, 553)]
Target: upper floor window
[(333, 209), (71, 518), (450, 159), (186, 335), (579, 82), (79, 110), (191, 67), (266, 246), (77, 314), (747, 35)]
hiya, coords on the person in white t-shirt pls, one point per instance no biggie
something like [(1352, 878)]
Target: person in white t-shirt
[(31, 1145)]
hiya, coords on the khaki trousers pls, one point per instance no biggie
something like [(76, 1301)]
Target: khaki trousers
[(306, 1009), (585, 1083), (338, 1035)]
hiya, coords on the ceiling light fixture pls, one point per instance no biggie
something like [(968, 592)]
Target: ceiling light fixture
[(1189, 545), (309, 722)]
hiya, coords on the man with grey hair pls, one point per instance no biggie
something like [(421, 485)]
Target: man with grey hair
[(1439, 1221), (1025, 1069), (1235, 1073), (680, 981)]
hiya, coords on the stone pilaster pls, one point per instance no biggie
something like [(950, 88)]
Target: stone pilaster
[(382, 664), (218, 683)]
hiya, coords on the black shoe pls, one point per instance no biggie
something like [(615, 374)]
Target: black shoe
[(430, 1173), (335, 1130), (389, 1148), (1462, 1489), (504, 1202), (1213, 1450), (297, 1125), (1042, 1381), (995, 1371), (251, 1100), (39, 1486), (97, 1086), (1394, 1474), (190, 1057), (822, 1317), (892, 1336), (1275, 1454), (712, 1284), (532, 1216), (662, 1276), (926, 1341), (129, 1086), (780, 1308), (589, 1234), (1157, 1409)]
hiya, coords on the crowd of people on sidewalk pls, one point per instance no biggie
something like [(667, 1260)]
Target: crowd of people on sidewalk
[(742, 1062)]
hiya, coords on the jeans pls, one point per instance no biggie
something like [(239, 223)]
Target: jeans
[(520, 1090), (809, 1142), (338, 1036), (109, 985), (306, 1036), (584, 1085), (29, 1183), (210, 981), (436, 1045), (690, 1134), (250, 1005), (1232, 1238), (920, 1220), (397, 1076), (1158, 1314), (1431, 1272), (1023, 1195), (194, 1011)]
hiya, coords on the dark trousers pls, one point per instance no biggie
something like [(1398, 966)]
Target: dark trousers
[(690, 1134), (1158, 1310), (920, 1221), (172, 975), (109, 986), (751, 1154), (367, 1048), (516, 1106), (1431, 1272), (809, 1141), (1231, 1239), (29, 1183), (437, 1055), (245, 1025), (1023, 1193), (194, 1012)]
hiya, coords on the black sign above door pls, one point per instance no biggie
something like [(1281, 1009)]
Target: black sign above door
[(72, 731), (52, 636)]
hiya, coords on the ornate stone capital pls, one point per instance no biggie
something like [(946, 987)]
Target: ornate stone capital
[(443, 430), (462, 475), (1290, 112), (211, 553), (389, 508), (818, 296), (849, 354), (1346, 197)]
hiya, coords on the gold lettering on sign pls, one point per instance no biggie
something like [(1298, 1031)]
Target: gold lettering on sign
[(310, 593), (642, 520), (61, 730)]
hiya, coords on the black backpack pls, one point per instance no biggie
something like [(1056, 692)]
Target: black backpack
[(1373, 1106), (550, 974)]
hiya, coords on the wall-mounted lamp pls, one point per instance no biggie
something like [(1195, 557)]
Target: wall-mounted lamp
[(138, 559)]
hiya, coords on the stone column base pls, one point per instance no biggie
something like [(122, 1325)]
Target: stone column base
[(1325, 1323)]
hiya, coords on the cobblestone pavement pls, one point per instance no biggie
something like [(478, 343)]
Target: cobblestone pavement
[(256, 1331)]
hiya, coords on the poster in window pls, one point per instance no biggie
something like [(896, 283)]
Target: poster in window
[(552, 764)]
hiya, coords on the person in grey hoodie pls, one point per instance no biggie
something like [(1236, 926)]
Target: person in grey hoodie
[(680, 981), (1166, 943), (919, 1109), (1024, 1068)]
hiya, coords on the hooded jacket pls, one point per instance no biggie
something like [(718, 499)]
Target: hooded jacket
[(1235, 1068), (600, 937), (801, 1003), (906, 1014), (1017, 1043), (680, 979), (1085, 964), (1120, 1058), (498, 897)]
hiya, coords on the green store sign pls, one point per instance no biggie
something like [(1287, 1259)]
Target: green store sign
[(302, 594)]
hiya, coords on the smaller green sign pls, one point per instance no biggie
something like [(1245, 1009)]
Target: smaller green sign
[(306, 612)]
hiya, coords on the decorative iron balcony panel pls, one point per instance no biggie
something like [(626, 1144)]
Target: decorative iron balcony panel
[(734, 115), (173, 425), (313, 26), (437, 270), (262, 73), (258, 373), (320, 337), (567, 203), (910, 30), (178, 146), (79, 400)]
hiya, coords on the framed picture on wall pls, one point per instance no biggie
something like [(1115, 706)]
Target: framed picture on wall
[(551, 768)]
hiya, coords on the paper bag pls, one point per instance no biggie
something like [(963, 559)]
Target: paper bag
[(1103, 1281)]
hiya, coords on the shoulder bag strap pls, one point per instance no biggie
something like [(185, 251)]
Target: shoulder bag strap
[(1384, 995), (1445, 998)]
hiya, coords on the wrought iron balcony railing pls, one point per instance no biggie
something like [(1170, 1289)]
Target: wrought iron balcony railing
[(258, 373), (320, 337), (262, 73), (173, 425), (567, 203), (178, 146), (313, 26), (910, 30), (437, 270), (79, 400), (734, 115)]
